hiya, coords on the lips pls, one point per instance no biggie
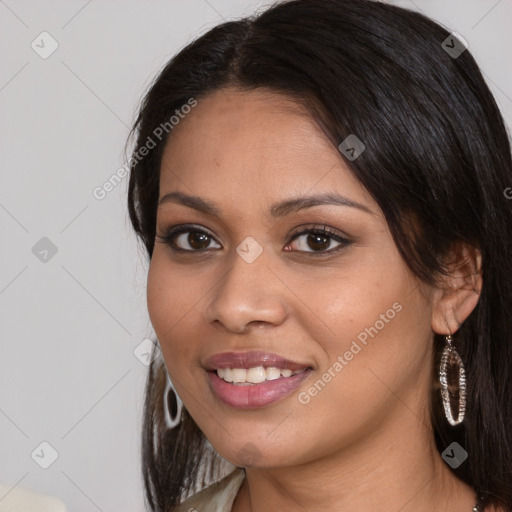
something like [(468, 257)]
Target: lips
[(254, 395)]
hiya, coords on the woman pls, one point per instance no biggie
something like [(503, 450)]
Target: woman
[(320, 190)]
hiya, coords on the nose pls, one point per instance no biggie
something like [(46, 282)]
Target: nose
[(249, 294)]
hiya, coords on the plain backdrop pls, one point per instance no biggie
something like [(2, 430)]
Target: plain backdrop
[(72, 282)]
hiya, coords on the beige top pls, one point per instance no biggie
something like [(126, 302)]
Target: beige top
[(218, 497), (19, 499)]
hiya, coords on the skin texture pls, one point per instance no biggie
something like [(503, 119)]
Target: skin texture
[(365, 439)]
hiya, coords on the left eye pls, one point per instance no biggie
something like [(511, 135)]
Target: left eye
[(318, 240)]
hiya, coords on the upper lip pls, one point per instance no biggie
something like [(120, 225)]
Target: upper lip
[(250, 360)]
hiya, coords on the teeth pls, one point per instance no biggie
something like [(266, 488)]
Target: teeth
[(272, 373), (254, 375), (239, 375)]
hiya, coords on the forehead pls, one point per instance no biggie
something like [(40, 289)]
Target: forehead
[(239, 145)]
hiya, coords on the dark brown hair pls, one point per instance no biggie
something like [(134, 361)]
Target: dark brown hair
[(437, 158)]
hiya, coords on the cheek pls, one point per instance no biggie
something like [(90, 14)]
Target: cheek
[(169, 301), (170, 292), (384, 349), (372, 320), (160, 295), (347, 302), (175, 298)]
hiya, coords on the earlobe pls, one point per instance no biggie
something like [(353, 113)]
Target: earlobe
[(459, 292)]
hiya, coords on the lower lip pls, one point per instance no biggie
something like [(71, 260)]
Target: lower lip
[(255, 395)]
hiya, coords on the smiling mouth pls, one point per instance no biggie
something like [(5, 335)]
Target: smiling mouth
[(253, 379), (245, 394)]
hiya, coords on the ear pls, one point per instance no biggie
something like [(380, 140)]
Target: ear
[(458, 291)]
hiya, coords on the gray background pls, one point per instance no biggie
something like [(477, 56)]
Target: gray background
[(70, 324)]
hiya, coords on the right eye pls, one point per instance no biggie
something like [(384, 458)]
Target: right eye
[(187, 238)]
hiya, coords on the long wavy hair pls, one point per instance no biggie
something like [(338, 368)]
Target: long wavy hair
[(437, 162)]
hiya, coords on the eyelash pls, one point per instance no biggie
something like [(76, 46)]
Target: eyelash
[(172, 232)]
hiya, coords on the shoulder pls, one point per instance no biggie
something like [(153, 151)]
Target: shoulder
[(217, 497)]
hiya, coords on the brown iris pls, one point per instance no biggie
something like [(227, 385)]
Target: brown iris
[(198, 240), (318, 242)]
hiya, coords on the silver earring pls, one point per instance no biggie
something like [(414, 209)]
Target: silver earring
[(172, 405), (450, 360)]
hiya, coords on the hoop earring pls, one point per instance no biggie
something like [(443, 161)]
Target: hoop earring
[(450, 360), (172, 405)]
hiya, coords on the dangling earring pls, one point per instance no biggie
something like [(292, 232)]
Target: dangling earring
[(172, 405), (450, 359)]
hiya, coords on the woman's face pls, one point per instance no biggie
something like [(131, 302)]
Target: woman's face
[(249, 282)]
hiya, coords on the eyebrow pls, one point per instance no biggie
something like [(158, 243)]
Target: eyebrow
[(277, 210)]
